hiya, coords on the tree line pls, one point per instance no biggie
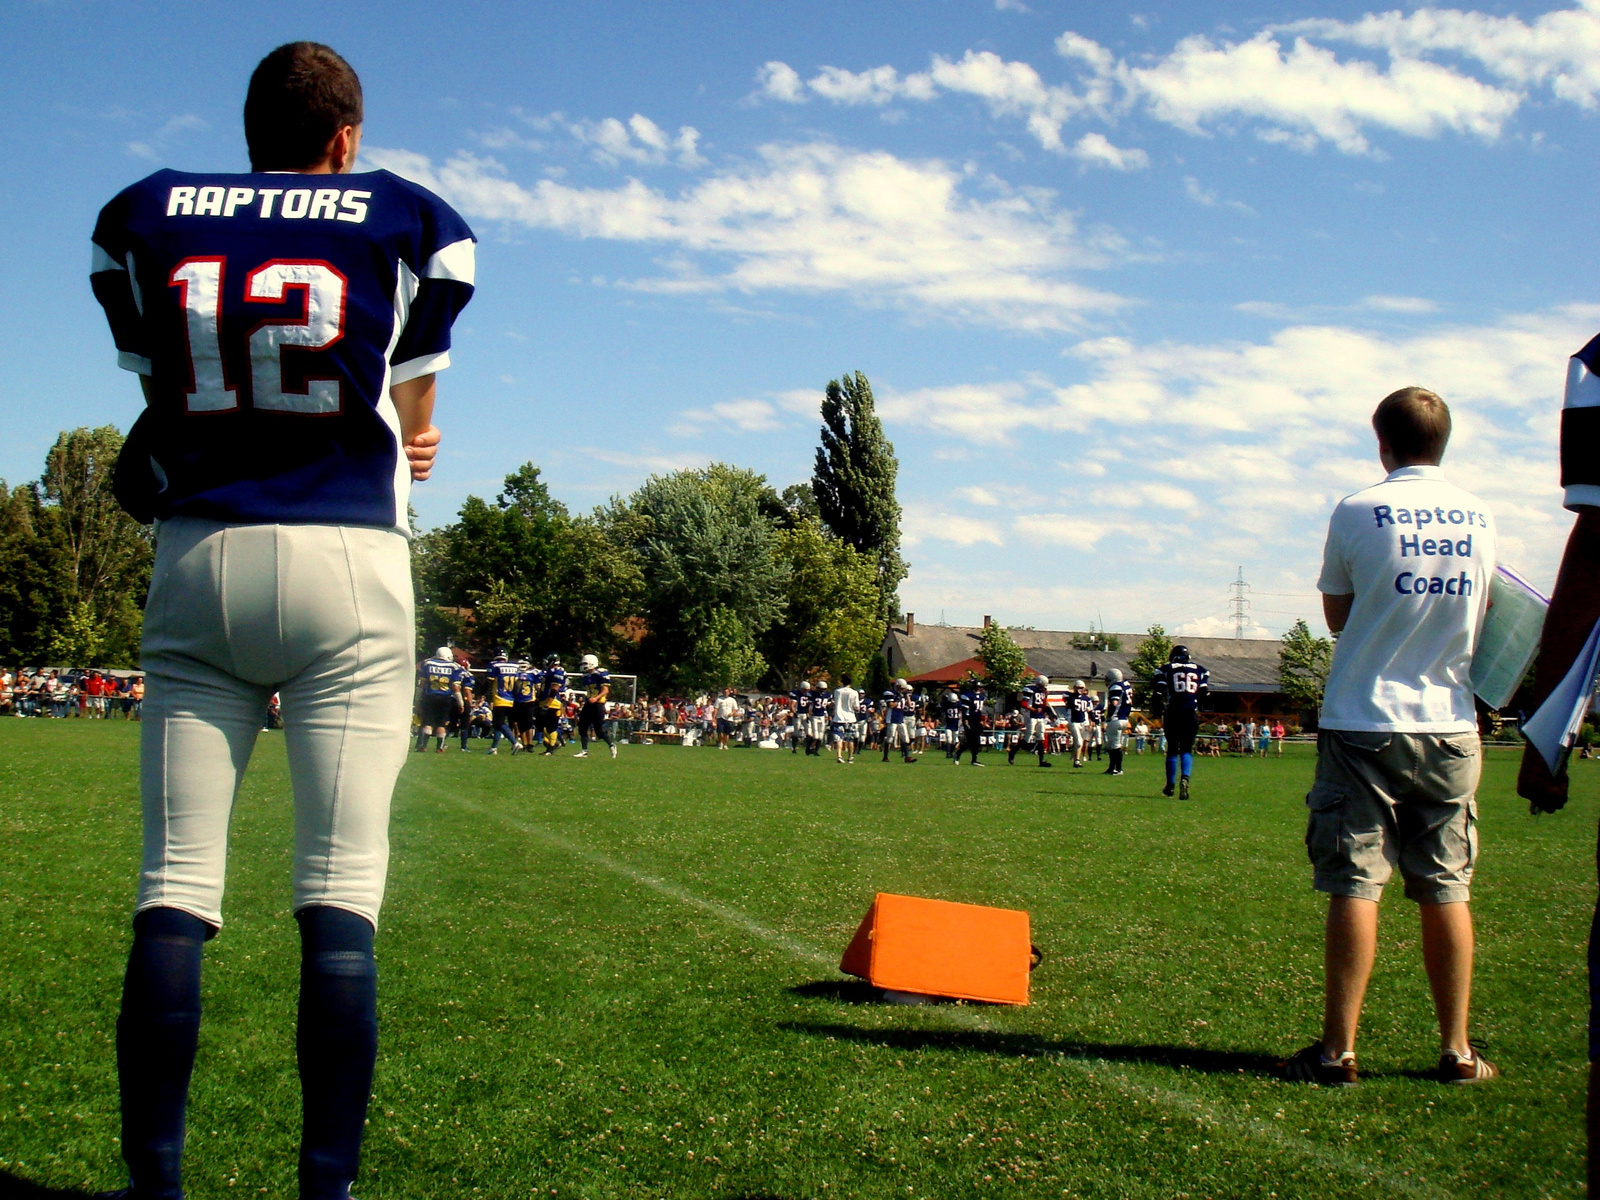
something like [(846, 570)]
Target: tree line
[(699, 579)]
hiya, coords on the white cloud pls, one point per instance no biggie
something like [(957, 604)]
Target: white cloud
[(817, 218), (918, 525), (153, 147), (1016, 6), (1221, 627), (1409, 305), (981, 496), (1061, 529), (640, 140), (1559, 50), (745, 416), (1306, 94), (1282, 83), (780, 81), (1095, 150), (1205, 196)]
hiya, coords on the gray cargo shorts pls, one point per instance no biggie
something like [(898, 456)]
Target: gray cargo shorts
[(1382, 800)]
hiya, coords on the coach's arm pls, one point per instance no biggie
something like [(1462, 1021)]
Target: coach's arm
[(413, 400), (1574, 609), (1336, 611)]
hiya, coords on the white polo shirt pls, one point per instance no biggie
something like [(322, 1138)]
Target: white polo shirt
[(1418, 553)]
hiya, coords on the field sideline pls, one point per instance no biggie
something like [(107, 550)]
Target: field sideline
[(618, 979)]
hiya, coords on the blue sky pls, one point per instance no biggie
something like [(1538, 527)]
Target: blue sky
[(1127, 280)]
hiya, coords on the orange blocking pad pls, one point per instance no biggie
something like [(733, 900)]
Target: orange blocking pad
[(936, 948)]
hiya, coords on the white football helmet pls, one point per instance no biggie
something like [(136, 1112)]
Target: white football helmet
[(902, 685), (444, 653), (805, 685), (590, 662), (1113, 676), (1042, 680), (1080, 685)]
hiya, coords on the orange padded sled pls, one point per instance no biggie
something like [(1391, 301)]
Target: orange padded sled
[(936, 948)]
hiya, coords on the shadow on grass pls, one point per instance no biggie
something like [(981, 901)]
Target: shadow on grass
[(1022, 1045), (840, 991), (14, 1187)]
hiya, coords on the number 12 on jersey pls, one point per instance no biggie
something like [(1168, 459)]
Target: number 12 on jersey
[(200, 282)]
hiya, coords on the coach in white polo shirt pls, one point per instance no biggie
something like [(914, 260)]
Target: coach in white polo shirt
[(1405, 580)]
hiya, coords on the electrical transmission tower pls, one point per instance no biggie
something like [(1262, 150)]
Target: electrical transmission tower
[(1240, 603)]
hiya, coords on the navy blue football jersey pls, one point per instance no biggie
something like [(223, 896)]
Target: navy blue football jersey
[(552, 682), (1119, 701), (595, 683), (950, 708), (1183, 685), (271, 314), (972, 704), (1036, 700), (893, 713), (528, 685), (1080, 707)]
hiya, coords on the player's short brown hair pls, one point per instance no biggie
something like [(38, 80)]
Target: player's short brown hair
[(1414, 423), (300, 96)]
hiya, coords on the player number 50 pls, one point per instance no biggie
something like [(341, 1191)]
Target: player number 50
[(322, 286)]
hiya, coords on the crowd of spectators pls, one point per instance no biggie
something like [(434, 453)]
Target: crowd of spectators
[(71, 692)]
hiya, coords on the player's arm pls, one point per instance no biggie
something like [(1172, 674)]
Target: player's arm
[(1574, 609), (413, 402)]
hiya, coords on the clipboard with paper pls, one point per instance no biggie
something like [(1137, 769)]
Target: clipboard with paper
[(1509, 638)]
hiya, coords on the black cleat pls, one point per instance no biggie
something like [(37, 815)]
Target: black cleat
[(1167, 791), (1308, 1066), (1046, 763), (1183, 788)]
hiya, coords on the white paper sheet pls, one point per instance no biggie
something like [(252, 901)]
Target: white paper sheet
[(1509, 638), (1555, 726)]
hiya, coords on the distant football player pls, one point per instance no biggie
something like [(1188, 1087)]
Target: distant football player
[(1037, 713), (821, 712), (899, 709), (286, 325), (1114, 714), (440, 699), (1080, 717), (950, 715), (973, 700), (592, 717), (799, 715), (500, 680), (525, 701), (551, 702), (1179, 688)]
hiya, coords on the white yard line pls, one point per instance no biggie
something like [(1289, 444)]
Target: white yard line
[(1100, 1070)]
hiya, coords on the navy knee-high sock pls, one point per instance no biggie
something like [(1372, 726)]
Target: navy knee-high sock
[(336, 1046), (156, 1036)]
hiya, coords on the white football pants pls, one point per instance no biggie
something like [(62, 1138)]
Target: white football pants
[(322, 615)]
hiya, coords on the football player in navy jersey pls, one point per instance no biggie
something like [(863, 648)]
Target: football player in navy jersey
[(899, 710), (441, 697), (525, 696), (592, 717), (501, 683), (800, 700), (1037, 712), (973, 698), (1114, 717), (286, 325), (1080, 715), (1178, 688), (551, 703), (950, 712)]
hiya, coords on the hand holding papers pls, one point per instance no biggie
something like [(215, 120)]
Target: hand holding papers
[(1553, 729)]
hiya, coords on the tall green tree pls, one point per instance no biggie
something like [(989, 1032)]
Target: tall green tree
[(533, 576), (1004, 665), (854, 483), (708, 549), (1152, 653), (831, 623), (1303, 665), (34, 591)]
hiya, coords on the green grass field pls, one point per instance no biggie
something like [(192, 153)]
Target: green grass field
[(618, 979)]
